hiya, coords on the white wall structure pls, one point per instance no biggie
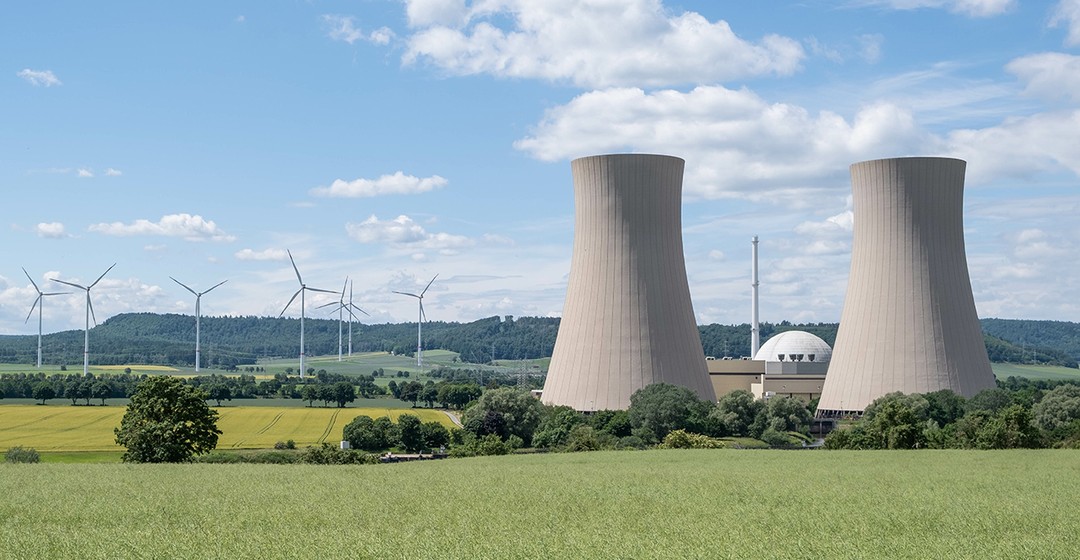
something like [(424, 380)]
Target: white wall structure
[(909, 322), (627, 321)]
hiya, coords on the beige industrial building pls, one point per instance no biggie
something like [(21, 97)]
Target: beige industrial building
[(628, 321), (909, 322), (789, 364)]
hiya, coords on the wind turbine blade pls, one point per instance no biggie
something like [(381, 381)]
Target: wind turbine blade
[(298, 278), (428, 285), (214, 286), (422, 314), (54, 293), (328, 305), (69, 283), (31, 280), (343, 288), (90, 304), (356, 307), (184, 285), (318, 290), (290, 302), (102, 275), (406, 294), (33, 306)]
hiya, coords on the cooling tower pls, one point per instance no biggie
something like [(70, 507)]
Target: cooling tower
[(627, 321), (909, 321)]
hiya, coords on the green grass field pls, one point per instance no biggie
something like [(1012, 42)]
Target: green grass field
[(1003, 371), (650, 504), (90, 428)]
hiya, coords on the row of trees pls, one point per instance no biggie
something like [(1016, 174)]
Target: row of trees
[(1002, 418)]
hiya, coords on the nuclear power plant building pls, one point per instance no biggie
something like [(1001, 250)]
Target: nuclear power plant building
[(627, 321), (909, 322)]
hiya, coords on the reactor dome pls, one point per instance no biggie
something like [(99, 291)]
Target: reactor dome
[(794, 346)]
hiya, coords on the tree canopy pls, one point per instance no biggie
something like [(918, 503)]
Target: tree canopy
[(167, 421)]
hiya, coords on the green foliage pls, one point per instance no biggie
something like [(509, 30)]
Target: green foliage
[(516, 409), (43, 391), (370, 435), (736, 411), (290, 444), (586, 438), (410, 433), (555, 426), (166, 422), (1058, 408), (344, 393), (682, 439), (326, 454), (435, 435), (469, 445), (661, 408), (20, 454)]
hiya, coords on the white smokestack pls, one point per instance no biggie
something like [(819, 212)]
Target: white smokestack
[(755, 331)]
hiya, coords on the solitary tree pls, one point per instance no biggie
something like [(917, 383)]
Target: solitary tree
[(167, 422)]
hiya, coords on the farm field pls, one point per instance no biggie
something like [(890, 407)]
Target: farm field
[(90, 428), (644, 504), (1003, 371)]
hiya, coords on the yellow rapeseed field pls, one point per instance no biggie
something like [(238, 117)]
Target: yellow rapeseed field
[(90, 428)]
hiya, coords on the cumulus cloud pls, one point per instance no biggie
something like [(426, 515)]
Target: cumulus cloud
[(1067, 13), (971, 8), (186, 226), (51, 230), (404, 232), (398, 183), (590, 43), (110, 172), (1049, 75), (39, 77), (735, 143), (84, 173), (343, 28), (264, 255)]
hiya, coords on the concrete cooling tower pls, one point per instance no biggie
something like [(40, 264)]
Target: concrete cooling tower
[(909, 321), (627, 321)]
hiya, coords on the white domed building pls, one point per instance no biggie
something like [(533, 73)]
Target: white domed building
[(790, 363)]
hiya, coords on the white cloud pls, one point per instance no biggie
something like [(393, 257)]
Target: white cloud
[(1020, 147), (110, 172), (84, 173), (39, 77), (972, 8), (734, 142), (870, 47), (591, 43), (398, 183), (52, 230), (403, 231), (343, 28), (186, 226), (1049, 75), (1067, 13), (264, 255)]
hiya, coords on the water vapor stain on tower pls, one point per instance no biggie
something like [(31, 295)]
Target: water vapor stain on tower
[(628, 321), (909, 322)]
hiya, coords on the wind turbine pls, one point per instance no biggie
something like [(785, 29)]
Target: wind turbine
[(352, 316), (300, 292), (40, 299), (419, 320), (344, 307), (89, 312), (198, 315)]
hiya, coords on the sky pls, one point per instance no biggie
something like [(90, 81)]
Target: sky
[(387, 141)]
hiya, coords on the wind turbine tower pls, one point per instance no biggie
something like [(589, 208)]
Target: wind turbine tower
[(40, 300), (419, 320), (300, 292), (198, 315), (755, 326), (342, 308), (89, 313)]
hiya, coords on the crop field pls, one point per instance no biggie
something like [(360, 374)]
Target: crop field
[(643, 504), (90, 428), (1035, 372)]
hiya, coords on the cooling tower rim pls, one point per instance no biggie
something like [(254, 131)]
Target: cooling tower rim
[(909, 159), (628, 155)]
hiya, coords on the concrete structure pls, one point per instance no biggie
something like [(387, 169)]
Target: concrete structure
[(767, 375), (909, 322), (627, 321)]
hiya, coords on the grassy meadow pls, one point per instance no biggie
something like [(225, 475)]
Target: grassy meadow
[(65, 428), (645, 504)]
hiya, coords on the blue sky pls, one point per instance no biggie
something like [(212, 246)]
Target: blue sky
[(387, 141)]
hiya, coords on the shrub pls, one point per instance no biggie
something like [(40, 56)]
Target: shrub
[(290, 444), (775, 438), (20, 454), (682, 439), (327, 454)]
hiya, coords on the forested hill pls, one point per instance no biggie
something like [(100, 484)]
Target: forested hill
[(149, 338)]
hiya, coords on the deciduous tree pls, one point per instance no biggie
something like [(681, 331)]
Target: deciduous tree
[(167, 422)]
